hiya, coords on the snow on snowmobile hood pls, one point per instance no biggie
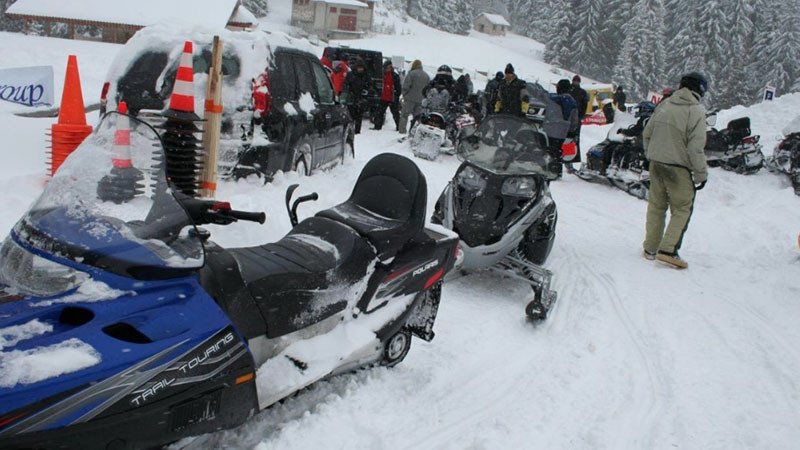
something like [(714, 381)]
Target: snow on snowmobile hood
[(142, 235), (792, 127)]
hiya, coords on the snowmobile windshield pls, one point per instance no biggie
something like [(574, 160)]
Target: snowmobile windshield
[(109, 205), (508, 145)]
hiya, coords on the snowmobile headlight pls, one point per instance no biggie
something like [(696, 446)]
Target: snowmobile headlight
[(519, 187), (33, 275), (471, 179)]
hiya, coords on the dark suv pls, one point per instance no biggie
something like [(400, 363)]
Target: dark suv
[(303, 127)]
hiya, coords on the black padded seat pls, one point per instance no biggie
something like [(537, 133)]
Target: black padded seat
[(306, 276), (387, 205)]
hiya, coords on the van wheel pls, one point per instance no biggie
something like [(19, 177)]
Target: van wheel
[(301, 167)]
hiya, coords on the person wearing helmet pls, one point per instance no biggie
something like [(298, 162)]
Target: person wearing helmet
[(390, 97), (356, 92), (512, 97), (644, 111), (443, 80), (674, 139), (414, 83), (491, 91)]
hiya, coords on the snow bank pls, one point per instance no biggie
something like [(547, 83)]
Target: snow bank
[(38, 364)]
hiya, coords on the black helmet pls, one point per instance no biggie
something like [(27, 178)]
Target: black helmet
[(444, 69), (563, 86), (645, 109), (696, 82), (498, 76)]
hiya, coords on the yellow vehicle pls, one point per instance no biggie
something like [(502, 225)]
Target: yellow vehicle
[(597, 93)]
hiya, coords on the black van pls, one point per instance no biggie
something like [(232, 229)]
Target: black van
[(303, 129)]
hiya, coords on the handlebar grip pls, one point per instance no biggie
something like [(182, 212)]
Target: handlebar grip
[(259, 217), (305, 198)]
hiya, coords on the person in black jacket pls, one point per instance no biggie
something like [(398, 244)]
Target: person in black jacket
[(490, 92), (390, 96), (513, 95), (619, 98), (356, 92), (582, 100)]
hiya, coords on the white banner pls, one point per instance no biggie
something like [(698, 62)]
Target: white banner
[(29, 86)]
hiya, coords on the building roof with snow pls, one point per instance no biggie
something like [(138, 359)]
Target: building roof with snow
[(496, 19), (353, 3), (139, 13)]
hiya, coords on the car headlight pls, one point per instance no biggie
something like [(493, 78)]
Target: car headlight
[(471, 179), (519, 187)]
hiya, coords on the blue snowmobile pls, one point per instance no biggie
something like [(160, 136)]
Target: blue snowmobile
[(123, 326)]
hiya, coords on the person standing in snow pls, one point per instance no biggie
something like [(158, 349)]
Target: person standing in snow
[(463, 88), (582, 100), (512, 97), (355, 92), (674, 139), (338, 74), (619, 98), (415, 81), (561, 127), (390, 97), (491, 90)]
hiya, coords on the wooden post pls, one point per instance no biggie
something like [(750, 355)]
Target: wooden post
[(213, 121)]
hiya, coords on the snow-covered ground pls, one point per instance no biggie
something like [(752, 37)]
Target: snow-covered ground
[(635, 355)]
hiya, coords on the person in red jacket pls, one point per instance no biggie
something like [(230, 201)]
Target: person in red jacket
[(339, 71), (390, 96)]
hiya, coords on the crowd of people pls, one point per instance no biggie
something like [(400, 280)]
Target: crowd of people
[(673, 132)]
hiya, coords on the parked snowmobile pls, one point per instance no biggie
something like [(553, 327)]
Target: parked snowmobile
[(619, 160), (440, 125), (786, 156), (733, 148), (499, 203), (125, 327)]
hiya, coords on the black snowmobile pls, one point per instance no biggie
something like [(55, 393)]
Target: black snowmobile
[(156, 333), (620, 159), (499, 203), (786, 159), (733, 148)]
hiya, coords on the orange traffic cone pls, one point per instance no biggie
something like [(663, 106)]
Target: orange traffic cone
[(124, 182), (122, 139), (182, 150), (71, 129), (182, 98)]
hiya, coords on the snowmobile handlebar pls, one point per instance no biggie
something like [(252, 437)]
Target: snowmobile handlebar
[(292, 210), (218, 213)]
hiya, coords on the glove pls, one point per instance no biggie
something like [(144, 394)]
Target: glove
[(698, 187), (620, 131), (497, 106), (525, 107)]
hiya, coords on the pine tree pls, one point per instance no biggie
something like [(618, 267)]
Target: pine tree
[(452, 16), (642, 58), (6, 23), (588, 44), (684, 49), (783, 49), (732, 86), (558, 45)]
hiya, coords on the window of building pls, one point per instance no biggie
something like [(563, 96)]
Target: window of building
[(333, 9)]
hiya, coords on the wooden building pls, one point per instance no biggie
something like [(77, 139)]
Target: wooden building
[(493, 24), (119, 20), (333, 19)]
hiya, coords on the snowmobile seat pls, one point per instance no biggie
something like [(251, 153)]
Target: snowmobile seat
[(387, 205), (306, 276), (738, 129)]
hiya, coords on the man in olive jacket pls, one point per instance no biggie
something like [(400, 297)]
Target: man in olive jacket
[(413, 84), (673, 140)]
